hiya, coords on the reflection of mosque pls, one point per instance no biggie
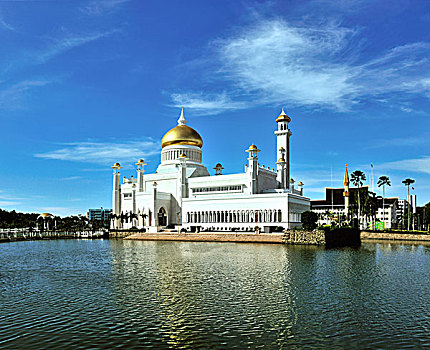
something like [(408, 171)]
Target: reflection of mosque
[(181, 192), (204, 295)]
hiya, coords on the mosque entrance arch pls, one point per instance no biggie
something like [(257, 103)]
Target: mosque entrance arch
[(162, 217)]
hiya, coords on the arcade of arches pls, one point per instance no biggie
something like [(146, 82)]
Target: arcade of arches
[(239, 216)]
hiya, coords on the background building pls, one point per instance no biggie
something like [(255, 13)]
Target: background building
[(101, 215), (375, 212)]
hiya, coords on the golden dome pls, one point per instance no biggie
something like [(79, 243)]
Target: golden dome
[(182, 135), (45, 215), (252, 147), (283, 117), (116, 165)]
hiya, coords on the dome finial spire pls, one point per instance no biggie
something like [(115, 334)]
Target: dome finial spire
[(182, 120)]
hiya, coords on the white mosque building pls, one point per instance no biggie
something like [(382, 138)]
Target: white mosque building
[(182, 195)]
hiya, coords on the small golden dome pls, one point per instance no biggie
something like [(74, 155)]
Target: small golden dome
[(281, 160), (45, 215), (252, 149), (283, 117), (141, 161), (116, 165), (300, 183)]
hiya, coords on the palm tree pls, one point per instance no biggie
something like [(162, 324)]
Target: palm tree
[(133, 218), (144, 216), (383, 181), (357, 178), (408, 182)]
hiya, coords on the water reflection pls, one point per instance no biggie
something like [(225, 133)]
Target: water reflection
[(128, 294)]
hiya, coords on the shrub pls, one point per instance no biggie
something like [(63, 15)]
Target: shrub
[(309, 220)]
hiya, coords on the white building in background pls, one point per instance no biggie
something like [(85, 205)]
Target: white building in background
[(402, 209), (181, 194), (387, 213)]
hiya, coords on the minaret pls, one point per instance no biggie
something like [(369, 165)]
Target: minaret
[(283, 150), (140, 172), (182, 184), (116, 194), (346, 192), (253, 167)]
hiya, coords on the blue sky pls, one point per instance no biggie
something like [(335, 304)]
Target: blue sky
[(86, 83)]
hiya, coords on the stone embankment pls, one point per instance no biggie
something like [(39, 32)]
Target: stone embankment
[(315, 237), (341, 237), (395, 236), (209, 237), (122, 233), (330, 238)]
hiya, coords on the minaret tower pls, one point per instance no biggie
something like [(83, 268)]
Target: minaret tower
[(182, 185), (253, 167), (283, 150), (346, 192), (116, 195), (140, 172)]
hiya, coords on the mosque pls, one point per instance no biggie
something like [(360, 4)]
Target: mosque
[(182, 195)]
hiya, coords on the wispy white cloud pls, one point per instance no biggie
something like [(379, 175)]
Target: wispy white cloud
[(6, 204), (208, 104), (71, 178), (11, 97), (103, 152), (415, 165), (99, 7), (61, 45), (5, 25), (274, 62)]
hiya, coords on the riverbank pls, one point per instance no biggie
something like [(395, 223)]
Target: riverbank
[(394, 236), (209, 237), (33, 238), (290, 237), (6, 237)]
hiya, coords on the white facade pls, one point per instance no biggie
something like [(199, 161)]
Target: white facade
[(388, 215), (181, 194)]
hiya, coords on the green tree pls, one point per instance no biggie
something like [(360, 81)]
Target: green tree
[(309, 220), (383, 181), (357, 178)]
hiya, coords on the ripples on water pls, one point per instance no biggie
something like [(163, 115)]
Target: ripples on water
[(125, 294)]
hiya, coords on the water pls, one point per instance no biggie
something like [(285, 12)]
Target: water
[(100, 294)]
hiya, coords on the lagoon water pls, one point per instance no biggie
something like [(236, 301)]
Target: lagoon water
[(106, 294)]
